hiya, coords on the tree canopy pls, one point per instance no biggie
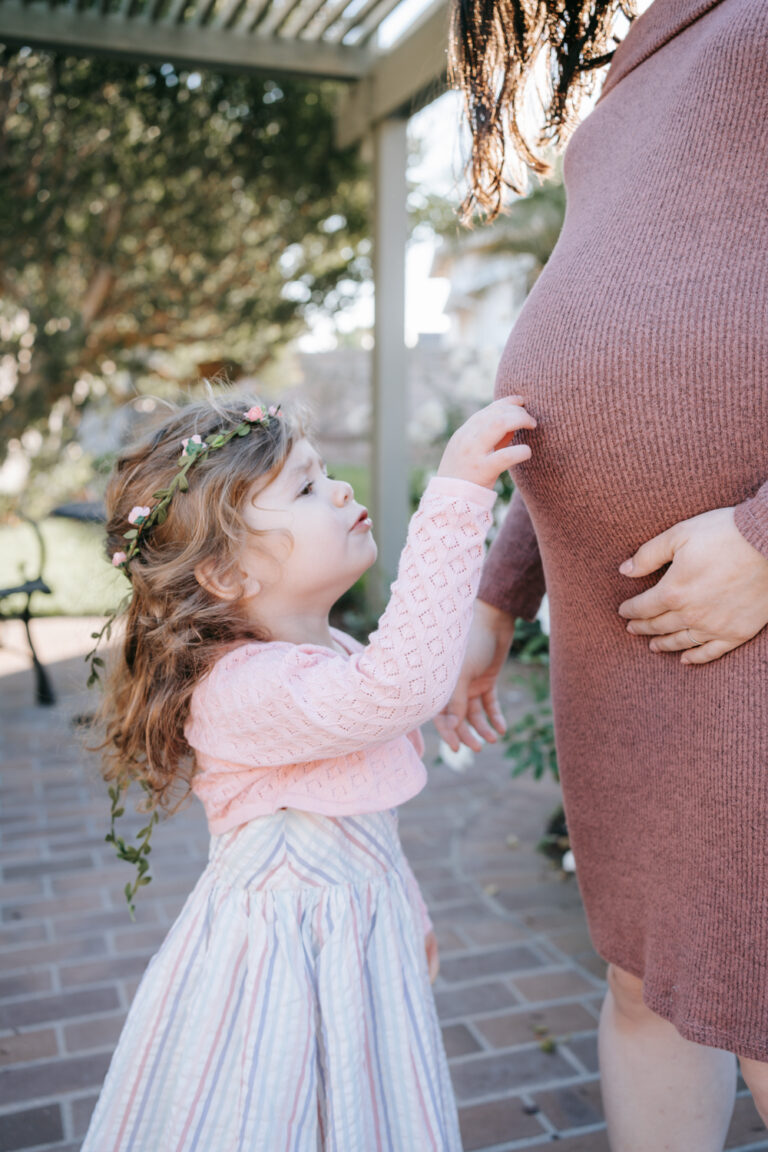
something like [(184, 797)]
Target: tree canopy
[(153, 221)]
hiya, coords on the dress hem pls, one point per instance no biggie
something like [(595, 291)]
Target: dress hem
[(691, 1030)]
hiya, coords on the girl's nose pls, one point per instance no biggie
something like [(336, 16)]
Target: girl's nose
[(343, 492)]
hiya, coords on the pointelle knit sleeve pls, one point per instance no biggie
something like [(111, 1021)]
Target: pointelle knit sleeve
[(271, 703)]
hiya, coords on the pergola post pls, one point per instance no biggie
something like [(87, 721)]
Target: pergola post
[(391, 459)]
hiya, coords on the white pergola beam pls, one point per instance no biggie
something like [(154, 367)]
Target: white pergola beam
[(391, 458), (89, 32), (401, 81)]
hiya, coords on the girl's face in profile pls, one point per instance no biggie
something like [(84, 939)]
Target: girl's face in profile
[(330, 543)]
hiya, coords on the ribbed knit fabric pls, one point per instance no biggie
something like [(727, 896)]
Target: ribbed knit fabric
[(643, 353)]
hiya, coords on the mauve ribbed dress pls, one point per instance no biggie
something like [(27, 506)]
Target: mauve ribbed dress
[(643, 353)]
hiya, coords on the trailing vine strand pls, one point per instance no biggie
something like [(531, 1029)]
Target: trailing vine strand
[(142, 518), (131, 854)]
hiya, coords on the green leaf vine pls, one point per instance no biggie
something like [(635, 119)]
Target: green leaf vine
[(133, 854)]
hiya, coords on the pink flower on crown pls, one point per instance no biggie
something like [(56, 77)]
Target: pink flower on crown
[(197, 444), (273, 410), (138, 514), (255, 413), (118, 558)]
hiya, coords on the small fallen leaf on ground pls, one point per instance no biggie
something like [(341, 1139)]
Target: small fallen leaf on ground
[(548, 1044), (491, 889)]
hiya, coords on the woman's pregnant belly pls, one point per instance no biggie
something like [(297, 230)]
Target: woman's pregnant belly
[(651, 407)]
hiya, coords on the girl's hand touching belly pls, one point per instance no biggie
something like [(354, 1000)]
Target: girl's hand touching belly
[(713, 597)]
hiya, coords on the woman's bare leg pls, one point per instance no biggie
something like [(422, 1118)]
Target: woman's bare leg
[(661, 1093), (755, 1074)]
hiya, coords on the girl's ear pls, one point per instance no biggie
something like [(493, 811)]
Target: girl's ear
[(222, 587)]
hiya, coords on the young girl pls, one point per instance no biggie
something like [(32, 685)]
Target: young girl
[(290, 1005)]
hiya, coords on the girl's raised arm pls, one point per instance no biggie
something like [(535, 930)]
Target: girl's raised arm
[(274, 703)]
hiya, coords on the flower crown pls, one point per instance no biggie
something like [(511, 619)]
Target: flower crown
[(142, 518), (194, 448)]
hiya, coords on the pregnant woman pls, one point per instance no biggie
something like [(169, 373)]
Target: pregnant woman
[(642, 352)]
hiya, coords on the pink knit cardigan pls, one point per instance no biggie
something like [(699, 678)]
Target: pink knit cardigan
[(276, 725)]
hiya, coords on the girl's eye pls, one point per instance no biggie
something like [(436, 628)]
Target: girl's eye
[(307, 488)]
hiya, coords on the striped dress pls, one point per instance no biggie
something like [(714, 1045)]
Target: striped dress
[(289, 1009)]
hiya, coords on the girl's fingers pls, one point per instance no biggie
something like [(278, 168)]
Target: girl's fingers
[(447, 728), (493, 711), (506, 458), (712, 650), (509, 415), (479, 721), (468, 736)]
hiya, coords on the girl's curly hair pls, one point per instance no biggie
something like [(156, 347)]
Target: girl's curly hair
[(174, 629), (494, 49)]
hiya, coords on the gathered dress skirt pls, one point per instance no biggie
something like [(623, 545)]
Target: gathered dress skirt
[(289, 1007)]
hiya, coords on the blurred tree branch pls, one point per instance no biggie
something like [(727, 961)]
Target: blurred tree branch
[(141, 208)]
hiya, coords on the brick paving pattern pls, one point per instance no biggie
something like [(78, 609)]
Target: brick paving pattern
[(519, 990)]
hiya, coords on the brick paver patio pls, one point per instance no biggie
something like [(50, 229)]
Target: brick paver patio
[(519, 990)]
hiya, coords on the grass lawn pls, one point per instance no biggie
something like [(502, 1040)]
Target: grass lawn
[(83, 583)]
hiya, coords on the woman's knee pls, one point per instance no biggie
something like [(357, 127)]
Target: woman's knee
[(627, 992), (755, 1074)]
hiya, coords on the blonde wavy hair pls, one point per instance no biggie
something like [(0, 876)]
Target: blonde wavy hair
[(173, 628)]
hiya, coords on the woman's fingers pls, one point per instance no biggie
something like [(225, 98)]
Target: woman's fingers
[(697, 650), (652, 555), (663, 625), (677, 641), (663, 597), (646, 606), (712, 650)]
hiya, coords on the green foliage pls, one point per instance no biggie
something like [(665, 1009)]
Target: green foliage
[(529, 227), (132, 854), (157, 225), (531, 741), (532, 225), (76, 570), (555, 842)]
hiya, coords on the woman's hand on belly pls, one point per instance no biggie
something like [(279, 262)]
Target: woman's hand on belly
[(712, 598)]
